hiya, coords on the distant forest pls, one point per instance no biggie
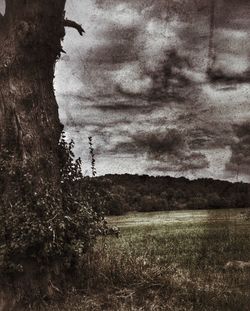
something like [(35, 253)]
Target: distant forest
[(127, 193)]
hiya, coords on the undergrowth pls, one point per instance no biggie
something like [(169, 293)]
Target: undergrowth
[(45, 231)]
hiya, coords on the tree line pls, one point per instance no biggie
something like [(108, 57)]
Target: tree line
[(127, 193)]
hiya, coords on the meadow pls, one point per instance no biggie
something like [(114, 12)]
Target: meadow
[(168, 261)]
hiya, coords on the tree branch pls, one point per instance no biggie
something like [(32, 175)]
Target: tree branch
[(72, 24)]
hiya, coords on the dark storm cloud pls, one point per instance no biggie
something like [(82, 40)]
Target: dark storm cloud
[(233, 14), (155, 144), (137, 38), (159, 8), (142, 54), (210, 135), (191, 162), (166, 150), (231, 44), (121, 107), (240, 158), (141, 70), (135, 52), (158, 144), (170, 80), (113, 50)]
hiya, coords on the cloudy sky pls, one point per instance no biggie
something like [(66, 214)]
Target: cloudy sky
[(137, 83)]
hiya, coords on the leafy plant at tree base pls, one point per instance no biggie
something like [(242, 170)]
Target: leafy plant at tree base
[(46, 228)]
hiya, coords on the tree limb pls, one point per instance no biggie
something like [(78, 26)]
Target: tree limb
[(72, 24)]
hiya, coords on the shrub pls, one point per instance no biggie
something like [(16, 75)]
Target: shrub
[(42, 225)]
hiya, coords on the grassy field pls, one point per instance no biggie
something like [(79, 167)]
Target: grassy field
[(169, 261)]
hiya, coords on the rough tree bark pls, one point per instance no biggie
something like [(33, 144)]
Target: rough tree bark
[(31, 32), (30, 38)]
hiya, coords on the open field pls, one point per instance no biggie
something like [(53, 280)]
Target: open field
[(169, 261)]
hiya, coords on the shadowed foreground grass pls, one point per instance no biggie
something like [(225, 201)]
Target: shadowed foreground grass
[(167, 266)]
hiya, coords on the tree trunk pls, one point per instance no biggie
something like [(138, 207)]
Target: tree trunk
[(30, 38)]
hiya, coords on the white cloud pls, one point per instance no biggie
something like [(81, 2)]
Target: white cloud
[(231, 64), (131, 79), (124, 15), (232, 51)]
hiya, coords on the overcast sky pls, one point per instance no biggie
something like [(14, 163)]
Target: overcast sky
[(137, 83)]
